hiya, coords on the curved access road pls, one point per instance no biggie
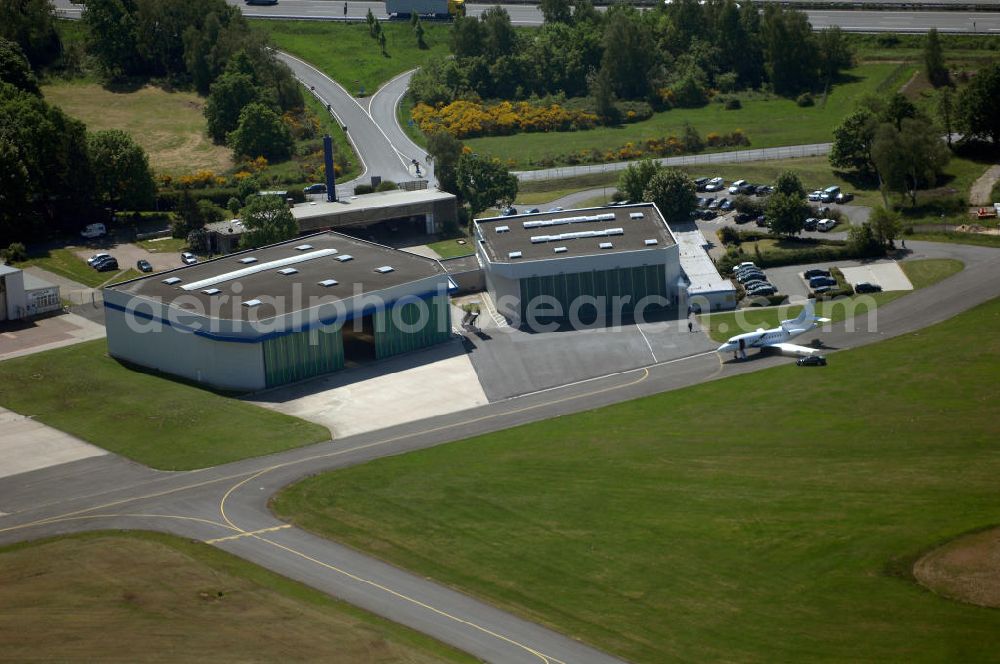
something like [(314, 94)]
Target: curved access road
[(226, 506)]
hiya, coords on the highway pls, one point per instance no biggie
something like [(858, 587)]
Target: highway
[(853, 20), (227, 507)]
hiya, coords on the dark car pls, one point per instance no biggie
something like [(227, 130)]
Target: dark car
[(811, 361), (816, 272), (844, 197), (315, 189), (726, 205), (106, 265), (762, 221), (532, 211), (742, 217), (763, 190), (748, 279), (702, 202), (715, 203), (817, 282), (866, 287), (810, 224), (763, 289), (708, 215), (700, 183), (748, 189), (754, 283), (144, 265), (508, 211)]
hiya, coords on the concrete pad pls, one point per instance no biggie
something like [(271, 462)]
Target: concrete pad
[(422, 250), (25, 338), (27, 445), (887, 275), (435, 381)]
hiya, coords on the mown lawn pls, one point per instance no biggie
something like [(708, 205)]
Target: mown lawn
[(156, 421), (921, 273), (451, 248), (768, 517), (768, 122), (134, 597), (346, 52)]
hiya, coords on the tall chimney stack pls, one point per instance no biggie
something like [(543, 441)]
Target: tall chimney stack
[(331, 179)]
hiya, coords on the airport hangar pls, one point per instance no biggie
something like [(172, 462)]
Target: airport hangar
[(417, 212), (282, 313), (626, 252)]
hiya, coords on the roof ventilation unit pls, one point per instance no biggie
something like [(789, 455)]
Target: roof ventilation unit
[(343, 258), (503, 229), (606, 245), (326, 283), (287, 271), (560, 250), (252, 303), (248, 259), (650, 243), (635, 215), (170, 281), (211, 291), (303, 247), (514, 254), (385, 269)]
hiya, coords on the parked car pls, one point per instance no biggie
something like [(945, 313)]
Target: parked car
[(318, 188), (700, 184), (810, 224), (744, 264), (763, 190), (762, 290), (748, 189), (816, 272), (844, 197), (829, 194), (815, 196), (106, 265), (508, 211), (865, 287), (754, 283), (555, 209), (742, 217), (188, 258), (811, 361), (734, 188), (818, 282), (823, 211), (144, 265), (825, 225), (708, 215), (726, 205), (94, 230), (715, 184), (750, 277), (97, 257), (715, 203), (762, 221), (532, 211), (702, 202)]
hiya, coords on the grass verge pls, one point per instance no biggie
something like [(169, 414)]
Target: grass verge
[(921, 273), (977, 239), (135, 596), (156, 421), (67, 264), (703, 525), (450, 248), (164, 245)]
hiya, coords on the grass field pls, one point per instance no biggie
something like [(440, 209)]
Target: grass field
[(164, 245), (346, 53), (712, 523), (921, 273), (959, 238), (155, 421), (138, 597), (768, 122), (67, 264), (450, 248), (169, 125)]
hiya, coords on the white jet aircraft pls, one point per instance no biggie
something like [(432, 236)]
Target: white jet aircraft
[(777, 338)]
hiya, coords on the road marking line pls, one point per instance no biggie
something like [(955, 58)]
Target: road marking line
[(248, 534), (646, 339)]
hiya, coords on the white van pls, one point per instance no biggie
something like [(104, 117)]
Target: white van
[(829, 194), (93, 230)]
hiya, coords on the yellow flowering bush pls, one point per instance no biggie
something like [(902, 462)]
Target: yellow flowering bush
[(464, 119)]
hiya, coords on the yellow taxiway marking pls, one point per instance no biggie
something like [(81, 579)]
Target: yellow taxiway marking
[(247, 534)]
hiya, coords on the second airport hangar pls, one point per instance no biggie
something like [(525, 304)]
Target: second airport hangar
[(596, 262)]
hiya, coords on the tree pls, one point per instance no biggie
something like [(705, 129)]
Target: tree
[(934, 66), (556, 11), (31, 24), (484, 183), (499, 38), (834, 53), (788, 183), (15, 69), (673, 192), (230, 94), (885, 224), (791, 53), (634, 180), (267, 220), (261, 132), (603, 92), (862, 241), (978, 109), (418, 31), (946, 111), (122, 177), (188, 216), (897, 109), (445, 151), (787, 213), (466, 37), (629, 52), (852, 143), (112, 36), (910, 158)]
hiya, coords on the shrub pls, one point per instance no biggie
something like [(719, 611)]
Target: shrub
[(363, 189), (805, 99), (386, 185), (464, 119), (733, 104), (728, 235), (15, 253)]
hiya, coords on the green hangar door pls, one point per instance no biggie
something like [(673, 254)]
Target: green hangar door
[(301, 355), (618, 289), (412, 324)]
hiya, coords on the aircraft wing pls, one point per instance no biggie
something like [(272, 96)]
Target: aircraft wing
[(793, 349)]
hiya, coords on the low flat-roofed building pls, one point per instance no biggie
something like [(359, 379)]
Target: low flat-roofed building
[(281, 313), (424, 211), (705, 288), (24, 295), (606, 260)]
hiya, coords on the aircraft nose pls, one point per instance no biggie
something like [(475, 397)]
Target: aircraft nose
[(724, 348)]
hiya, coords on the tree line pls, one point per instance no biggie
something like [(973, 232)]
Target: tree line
[(674, 55)]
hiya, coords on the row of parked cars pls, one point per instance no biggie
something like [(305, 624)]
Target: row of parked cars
[(821, 280), (822, 225), (103, 262), (753, 279), (831, 194), (737, 188)]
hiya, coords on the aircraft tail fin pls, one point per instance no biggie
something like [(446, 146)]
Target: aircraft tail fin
[(806, 318)]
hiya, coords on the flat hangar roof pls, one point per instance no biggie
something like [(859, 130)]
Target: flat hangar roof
[(573, 233), (325, 265)]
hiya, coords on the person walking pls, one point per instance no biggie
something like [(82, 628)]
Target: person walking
[(690, 326), (345, 10)]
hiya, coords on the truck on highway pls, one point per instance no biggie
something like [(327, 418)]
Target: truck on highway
[(439, 9)]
